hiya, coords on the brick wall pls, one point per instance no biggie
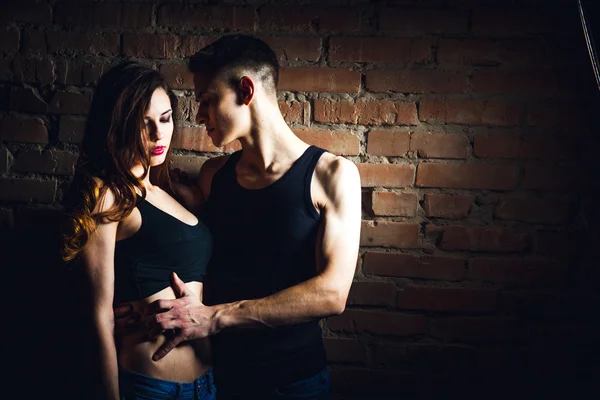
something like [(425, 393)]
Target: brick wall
[(474, 131)]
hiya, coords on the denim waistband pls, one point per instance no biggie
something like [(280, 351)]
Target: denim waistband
[(134, 382)]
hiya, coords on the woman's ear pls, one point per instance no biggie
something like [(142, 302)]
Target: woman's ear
[(246, 88)]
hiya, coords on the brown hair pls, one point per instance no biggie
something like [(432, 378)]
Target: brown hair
[(237, 52), (112, 145)]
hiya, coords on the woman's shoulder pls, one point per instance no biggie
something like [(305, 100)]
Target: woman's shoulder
[(103, 193)]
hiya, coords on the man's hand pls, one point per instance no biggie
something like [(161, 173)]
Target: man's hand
[(182, 319), (127, 320)]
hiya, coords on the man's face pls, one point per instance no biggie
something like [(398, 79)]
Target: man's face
[(219, 109)]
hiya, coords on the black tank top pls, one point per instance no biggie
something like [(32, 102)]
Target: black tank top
[(264, 241), (144, 262)]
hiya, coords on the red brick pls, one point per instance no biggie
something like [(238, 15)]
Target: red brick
[(416, 81), (9, 40), (187, 109), (29, 11), (482, 52), (34, 69), (471, 112), (388, 143), (410, 266), (33, 41), (481, 238), (319, 80), (71, 130), (530, 83), (468, 176), (394, 204), (476, 329), (190, 44), (550, 176), (389, 234), (377, 323), (417, 22), (447, 299), (104, 14), (379, 49), (69, 103), (149, 45), (178, 76), (195, 138), (533, 304), (88, 14), (503, 144), (366, 112), (27, 190), (309, 19), (5, 161), (292, 48), (556, 245), (336, 142), (534, 210), (293, 111), (518, 271), (439, 145), (201, 16), (548, 147), (29, 130), (372, 294), (7, 220), (524, 21), (345, 350), (388, 175), (556, 114), (26, 100), (189, 164), (57, 162), (447, 205), (68, 43)]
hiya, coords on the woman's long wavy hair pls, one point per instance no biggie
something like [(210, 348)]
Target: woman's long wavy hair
[(113, 143)]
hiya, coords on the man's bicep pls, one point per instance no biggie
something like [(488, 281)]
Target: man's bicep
[(340, 233)]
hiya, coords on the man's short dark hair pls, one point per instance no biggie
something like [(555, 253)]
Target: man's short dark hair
[(237, 52)]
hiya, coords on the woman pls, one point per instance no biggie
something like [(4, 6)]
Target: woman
[(131, 236)]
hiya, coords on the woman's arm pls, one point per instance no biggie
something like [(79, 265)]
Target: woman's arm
[(98, 263)]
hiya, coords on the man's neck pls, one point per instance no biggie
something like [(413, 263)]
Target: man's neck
[(270, 144)]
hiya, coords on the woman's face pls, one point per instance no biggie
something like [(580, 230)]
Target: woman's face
[(158, 129)]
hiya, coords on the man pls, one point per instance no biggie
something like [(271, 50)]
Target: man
[(285, 219)]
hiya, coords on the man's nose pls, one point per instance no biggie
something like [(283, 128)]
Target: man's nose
[(201, 117)]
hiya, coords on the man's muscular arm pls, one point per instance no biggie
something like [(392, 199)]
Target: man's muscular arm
[(338, 188)]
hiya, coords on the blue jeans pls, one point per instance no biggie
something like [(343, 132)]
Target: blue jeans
[(135, 386), (316, 387)]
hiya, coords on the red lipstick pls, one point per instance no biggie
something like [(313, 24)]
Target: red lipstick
[(158, 150)]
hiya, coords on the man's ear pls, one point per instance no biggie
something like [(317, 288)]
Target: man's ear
[(246, 88)]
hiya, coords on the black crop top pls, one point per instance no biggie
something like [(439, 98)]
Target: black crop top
[(144, 262)]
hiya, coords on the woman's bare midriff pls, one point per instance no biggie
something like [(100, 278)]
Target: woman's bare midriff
[(184, 363)]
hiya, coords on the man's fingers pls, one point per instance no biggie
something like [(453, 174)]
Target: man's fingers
[(122, 310), (169, 345), (179, 287), (158, 306)]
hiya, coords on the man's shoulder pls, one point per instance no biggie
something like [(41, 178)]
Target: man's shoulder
[(331, 167)]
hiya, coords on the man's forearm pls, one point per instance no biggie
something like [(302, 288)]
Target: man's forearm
[(307, 301)]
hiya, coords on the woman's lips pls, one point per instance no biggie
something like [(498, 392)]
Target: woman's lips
[(158, 150)]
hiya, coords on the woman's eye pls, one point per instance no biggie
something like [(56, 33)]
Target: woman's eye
[(166, 120)]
